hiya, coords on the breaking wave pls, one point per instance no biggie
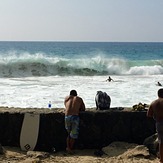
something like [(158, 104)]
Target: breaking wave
[(41, 65)]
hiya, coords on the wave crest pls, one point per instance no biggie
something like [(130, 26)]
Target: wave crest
[(42, 65), (146, 70)]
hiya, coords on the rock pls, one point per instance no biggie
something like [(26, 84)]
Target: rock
[(38, 154), (117, 148), (13, 153), (140, 151), (152, 144), (1, 149), (126, 150), (31, 160), (99, 153)]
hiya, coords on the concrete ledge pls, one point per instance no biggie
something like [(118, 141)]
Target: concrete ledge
[(97, 128)]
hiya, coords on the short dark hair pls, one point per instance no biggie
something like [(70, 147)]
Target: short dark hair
[(73, 93), (160, 93)]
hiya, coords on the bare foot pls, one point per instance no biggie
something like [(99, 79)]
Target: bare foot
[(69, 151)]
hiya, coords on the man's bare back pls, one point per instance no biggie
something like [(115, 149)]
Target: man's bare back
[(156, 110), (74, 105)]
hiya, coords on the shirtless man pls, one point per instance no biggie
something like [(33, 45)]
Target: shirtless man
[(156, 111), (73, 104)]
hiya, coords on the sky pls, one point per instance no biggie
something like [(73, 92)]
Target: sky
[(81, 20)]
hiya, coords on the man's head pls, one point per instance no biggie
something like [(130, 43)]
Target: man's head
[(160, 93), (73, 93)]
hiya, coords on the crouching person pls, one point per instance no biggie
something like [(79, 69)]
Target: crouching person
[(102, 100)]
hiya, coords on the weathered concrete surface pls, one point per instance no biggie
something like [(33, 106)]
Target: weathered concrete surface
[(97, 129)]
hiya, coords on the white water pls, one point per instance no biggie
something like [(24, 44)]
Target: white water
[(27, 65), (36, 92)]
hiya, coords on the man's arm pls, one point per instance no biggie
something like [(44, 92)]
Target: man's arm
[(66, 99), (82, 108), (150, 112)]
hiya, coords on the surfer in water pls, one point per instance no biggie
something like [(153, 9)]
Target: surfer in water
[(109, 79), (159, 84)]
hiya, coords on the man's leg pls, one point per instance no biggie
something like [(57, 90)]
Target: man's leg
[(68, 128), (161, 152), (159, 129), (68, 143), (72, 141), (74, 132)]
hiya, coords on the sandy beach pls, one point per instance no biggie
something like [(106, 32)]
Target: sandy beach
[(117, 152)]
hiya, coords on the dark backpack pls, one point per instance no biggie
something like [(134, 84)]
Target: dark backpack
[(102, 100)]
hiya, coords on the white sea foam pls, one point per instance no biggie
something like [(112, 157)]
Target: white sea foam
[(36, 92), (34, 73), (146, 70), (38, 64)]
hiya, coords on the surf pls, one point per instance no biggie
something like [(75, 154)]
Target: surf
[(26, 65)]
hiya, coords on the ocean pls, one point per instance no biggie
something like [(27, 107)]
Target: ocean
[(34, 73)]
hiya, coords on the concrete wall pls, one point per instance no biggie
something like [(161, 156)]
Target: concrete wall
[(97, 129)]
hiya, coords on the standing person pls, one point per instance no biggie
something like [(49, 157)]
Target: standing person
[(156, 111), (73, 104)]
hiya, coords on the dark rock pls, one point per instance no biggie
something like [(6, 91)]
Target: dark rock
[(1, 150), (38, 154), (152, 144), (98, 153), (126, 150)]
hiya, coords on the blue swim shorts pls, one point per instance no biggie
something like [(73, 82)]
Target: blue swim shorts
[(159, 128), (72, 125)]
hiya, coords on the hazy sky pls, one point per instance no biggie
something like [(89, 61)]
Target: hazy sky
[(81, 20)]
